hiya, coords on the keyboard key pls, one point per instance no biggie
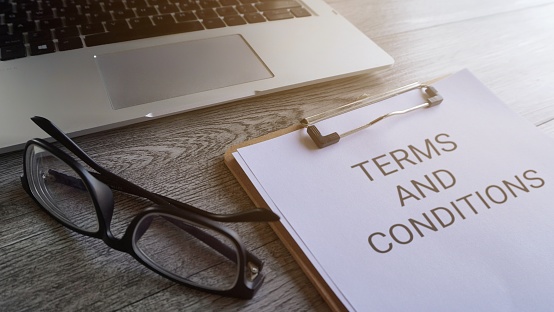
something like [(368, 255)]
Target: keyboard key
[(66, 32), (42, 14), (75, 20), (6, 7), (11, 40), (67, 11), (23, 27), (167, 8), (234, 20), (95, 1), (97, 17), (12, 52), (188, 5), (74, 3), (136, 4), (89, 8), (123, 14), (120, 25), (207, 13), (70, 43), (39, 48), (300, 12), (140, 22), (185, 16), (112, 37), (209, 4), (4, 29), (163, 20), (274, 15), (52, 4), (22, 6), (228, 2), (39, 36), (15, 17), (277, 5), (246, 8), (211, 23), (157, 2), (226, 11), (253, 18), (50, 23), (90, 29), (146, 11), (114, 5)]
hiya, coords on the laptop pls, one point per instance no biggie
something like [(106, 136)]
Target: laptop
[(91, 65)]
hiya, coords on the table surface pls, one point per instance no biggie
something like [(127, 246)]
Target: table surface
[(508, 44)]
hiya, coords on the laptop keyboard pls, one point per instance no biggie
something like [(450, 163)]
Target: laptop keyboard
[(29, 28)]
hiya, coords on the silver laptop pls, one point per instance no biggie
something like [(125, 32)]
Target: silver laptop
[(90, 65)]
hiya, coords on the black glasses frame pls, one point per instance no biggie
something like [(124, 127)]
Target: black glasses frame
[(100, 184)]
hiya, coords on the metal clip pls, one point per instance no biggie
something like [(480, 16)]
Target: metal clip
[(433, 99)]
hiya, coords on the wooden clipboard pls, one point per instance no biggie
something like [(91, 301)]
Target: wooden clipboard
[(305, 264)]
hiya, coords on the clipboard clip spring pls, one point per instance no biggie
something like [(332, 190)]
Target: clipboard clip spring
[(433, 99)]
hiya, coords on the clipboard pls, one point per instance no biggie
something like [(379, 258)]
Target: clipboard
[(390, 244), (433, 98)]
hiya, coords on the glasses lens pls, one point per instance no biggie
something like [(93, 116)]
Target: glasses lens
[(188, 252), (60, 189)]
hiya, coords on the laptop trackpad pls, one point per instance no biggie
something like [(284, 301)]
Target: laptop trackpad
[(162, 72)]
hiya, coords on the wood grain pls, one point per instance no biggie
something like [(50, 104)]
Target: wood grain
[(507, 44)]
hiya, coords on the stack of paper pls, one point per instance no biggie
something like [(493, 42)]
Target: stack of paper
[(446, 209)]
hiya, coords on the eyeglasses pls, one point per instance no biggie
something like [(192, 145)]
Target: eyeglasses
[(174, 239)]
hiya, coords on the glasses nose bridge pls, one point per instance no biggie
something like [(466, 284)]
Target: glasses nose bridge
[(113, 242), (103, 196)]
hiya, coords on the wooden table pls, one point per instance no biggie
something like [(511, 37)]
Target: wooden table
[(508, 44)]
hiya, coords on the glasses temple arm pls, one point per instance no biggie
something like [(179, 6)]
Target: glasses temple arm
[(215, 243), (67, 180), (61, 137), (251, 215), (246, 216), (253, 264), (119, 183)]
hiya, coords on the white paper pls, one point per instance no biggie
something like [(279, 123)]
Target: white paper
[(481, 258)]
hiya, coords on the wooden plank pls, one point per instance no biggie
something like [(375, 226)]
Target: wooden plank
[(378, 18)]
